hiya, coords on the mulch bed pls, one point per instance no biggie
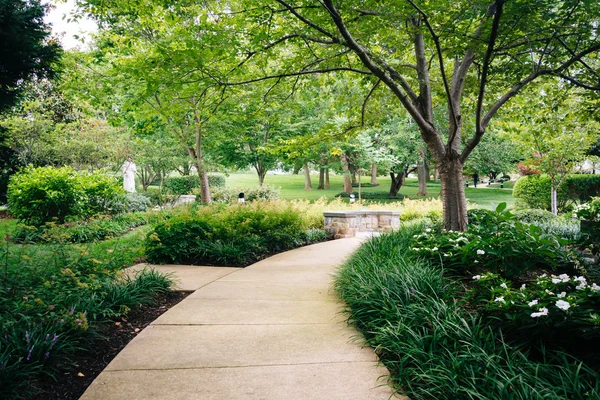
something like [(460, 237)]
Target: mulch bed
[(88, 364)]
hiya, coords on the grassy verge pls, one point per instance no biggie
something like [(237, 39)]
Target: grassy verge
[(434, 347)]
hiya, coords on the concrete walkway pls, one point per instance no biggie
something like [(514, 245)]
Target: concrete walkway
[(269, 331)]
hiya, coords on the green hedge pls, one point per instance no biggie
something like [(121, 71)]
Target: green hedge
[(40, 195), (533, 191), (181, 185)]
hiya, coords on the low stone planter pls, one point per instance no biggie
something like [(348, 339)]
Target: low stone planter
[(344, 224)]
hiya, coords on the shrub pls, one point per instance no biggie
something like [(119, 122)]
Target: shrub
[(533, 216), (181, 185), (534, 191), (219, 235), (230, 195), (138, 202), (497, 243), (186, 184), (216, 180), (103, 194), (40, 195)]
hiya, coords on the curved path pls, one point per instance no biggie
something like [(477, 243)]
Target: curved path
[(269, 331)]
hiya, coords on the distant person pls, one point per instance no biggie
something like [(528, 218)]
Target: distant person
[(475, 179), (129, 171)]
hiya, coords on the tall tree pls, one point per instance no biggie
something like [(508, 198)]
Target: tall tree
[(26, 47), (472, 56)]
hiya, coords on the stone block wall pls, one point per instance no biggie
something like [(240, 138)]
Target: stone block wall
[(344, 224)]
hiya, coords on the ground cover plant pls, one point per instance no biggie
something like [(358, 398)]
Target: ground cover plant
[(448, 330), (56, 298)]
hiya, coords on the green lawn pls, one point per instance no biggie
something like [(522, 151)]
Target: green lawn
[(292, 187)]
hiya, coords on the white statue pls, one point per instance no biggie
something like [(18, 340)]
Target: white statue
[(129, 171)]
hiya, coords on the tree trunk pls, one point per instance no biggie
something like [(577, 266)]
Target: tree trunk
[(397, 182), (422, 172), (327, 185), (347, 181), (427, 170), (321, 179), (374, 174), (307, 183), (453, 195), (352, 170), (554, 200)]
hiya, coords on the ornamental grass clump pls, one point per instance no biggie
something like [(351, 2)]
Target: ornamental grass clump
[(436, 344)]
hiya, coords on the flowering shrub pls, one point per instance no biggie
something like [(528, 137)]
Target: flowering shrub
[(496, 243), (545, 308), (589, 211)]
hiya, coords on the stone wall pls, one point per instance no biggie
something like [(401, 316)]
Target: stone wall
[(343, 224)]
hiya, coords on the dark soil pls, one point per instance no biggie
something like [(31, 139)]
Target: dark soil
[(88, 364)]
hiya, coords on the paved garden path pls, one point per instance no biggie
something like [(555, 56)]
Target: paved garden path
[(270, 331)]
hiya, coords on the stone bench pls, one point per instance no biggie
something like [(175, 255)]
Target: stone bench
[(344, 224)]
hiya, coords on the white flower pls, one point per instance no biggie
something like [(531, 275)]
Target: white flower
[(477, 277), (563, 305), (415, 236), (532, 303), (581, 286), (504, 286), (499, 299), (556, 280), (480, 252), (543, 275), (523, 287), (564, 277), (561, 295), (415, 249), (595, 287), (446, 255), (549, 292), (434, 249), (580, 279), (543, 312), (428, 230)]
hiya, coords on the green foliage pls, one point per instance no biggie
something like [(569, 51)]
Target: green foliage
[(137, 202), (559, 311), (583, 187), (44, 194), (236, 235), (533, 191), (216, 180), (435, 348), (95, 229), (26, 50), (55, 298), (533, 215), (230, 195), (181, 185), (497, 243)]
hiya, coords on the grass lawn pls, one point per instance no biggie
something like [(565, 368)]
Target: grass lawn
[(292, 187)]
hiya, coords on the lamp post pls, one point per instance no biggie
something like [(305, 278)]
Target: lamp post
[(241, 198)]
